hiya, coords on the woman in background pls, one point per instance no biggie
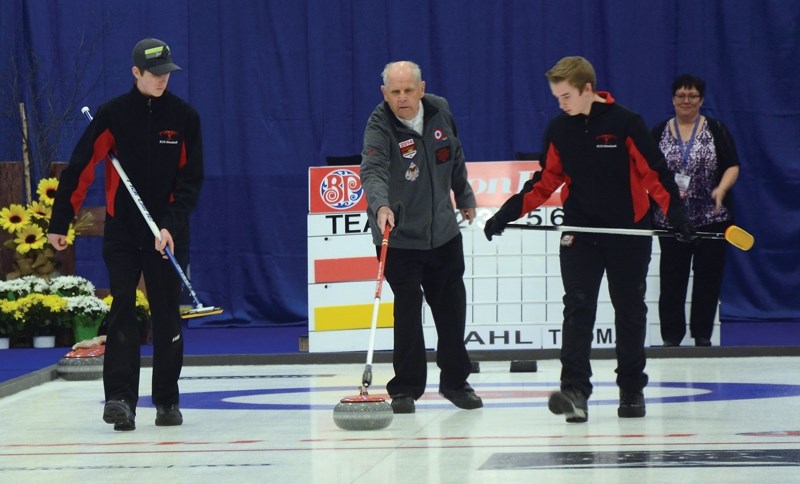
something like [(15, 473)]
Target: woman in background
[(701, 153)]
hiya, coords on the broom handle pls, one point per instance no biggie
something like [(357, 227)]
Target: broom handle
[(367, 378), (605, 230), (736, 236)]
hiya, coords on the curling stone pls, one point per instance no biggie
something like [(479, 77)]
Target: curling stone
[(363, 412), (82, 364)]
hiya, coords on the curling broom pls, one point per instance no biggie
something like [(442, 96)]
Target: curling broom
[(736, 236), (365, 411), (198, 309)]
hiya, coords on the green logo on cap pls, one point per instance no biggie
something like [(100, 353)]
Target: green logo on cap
[(153, 52)]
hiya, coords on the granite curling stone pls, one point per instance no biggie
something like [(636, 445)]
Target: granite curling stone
[(82, 364), (363, 412)]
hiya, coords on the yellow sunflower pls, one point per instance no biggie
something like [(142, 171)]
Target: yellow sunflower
[(14, 217), (30, 238), (70, 235), (47, 190), (39, 210)]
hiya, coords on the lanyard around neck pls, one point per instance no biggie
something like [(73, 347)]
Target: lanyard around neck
[(685, 150)]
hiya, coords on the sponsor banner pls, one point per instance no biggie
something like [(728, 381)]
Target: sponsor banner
[(335, 224), (494, 181), (477, 337), (337, 189)]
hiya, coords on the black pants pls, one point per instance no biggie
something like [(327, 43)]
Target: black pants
[(625, 261), (438, 275), (126, 261), (706, 258)]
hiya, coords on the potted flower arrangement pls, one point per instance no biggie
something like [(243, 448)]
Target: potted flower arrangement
[(28, 224), (10, 294), (85, 311), (86, 314), (42, 315), (9, 322), (48, 308)]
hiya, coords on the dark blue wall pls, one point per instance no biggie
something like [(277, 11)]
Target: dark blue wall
[(280, 85)]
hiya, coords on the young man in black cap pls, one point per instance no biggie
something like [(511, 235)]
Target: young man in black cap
[(156, 137)]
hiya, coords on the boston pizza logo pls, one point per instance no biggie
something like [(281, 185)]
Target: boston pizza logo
[(341, 189)]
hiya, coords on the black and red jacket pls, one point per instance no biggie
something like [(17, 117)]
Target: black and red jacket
[(158, 143), (610, 167)]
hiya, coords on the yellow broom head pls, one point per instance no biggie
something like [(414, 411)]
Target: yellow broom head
[(739, 238), (201, 311)]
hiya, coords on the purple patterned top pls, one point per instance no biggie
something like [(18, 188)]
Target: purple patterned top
[(702, 167)]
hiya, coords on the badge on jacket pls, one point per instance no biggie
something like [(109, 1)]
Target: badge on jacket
[(441, 146), (412, 173), (408, 149)]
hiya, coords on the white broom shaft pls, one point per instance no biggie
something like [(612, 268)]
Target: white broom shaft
[(379, 286), (615, 231), (373, 329)]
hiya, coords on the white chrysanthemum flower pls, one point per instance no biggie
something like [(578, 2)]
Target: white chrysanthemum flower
[(91, 305), (70, 286)]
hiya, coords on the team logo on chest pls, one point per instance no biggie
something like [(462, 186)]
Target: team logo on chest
[(606, 141), (168, 137), (408, 149)]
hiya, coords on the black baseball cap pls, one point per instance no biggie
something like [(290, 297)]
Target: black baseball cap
[(153, 55)]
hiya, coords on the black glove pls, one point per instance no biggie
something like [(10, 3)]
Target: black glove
[(493, 227), (685, 232), (509, 212)]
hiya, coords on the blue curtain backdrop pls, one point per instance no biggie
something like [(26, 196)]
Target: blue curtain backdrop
[(280, 85)]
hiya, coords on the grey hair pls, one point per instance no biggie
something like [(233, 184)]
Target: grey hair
[(415, 70)]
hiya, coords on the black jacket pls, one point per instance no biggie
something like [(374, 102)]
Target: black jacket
[(158, 143), (610, 168)]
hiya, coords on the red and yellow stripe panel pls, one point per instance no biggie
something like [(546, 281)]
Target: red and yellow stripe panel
[(346, 269), (352, 316)]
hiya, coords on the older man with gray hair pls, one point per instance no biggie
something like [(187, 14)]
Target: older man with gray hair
[(411, 161)]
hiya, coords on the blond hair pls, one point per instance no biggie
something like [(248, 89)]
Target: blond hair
[(576, 70)]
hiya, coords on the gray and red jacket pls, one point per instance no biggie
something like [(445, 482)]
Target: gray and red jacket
[(158, 143)]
